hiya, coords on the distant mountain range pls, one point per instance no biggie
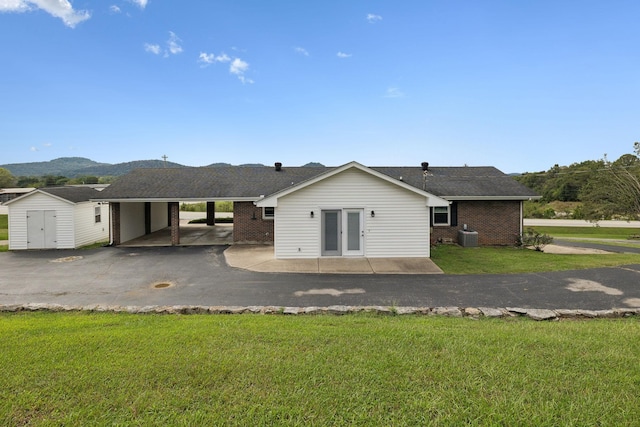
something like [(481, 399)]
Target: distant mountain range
[(72, 167)]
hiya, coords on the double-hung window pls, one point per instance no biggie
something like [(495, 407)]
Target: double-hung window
[(268, 212), (440, 215)]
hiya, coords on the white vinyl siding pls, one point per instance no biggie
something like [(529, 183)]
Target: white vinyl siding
[(64, 213), (87, 231), (131, 221), (400, 227), (159, 216)]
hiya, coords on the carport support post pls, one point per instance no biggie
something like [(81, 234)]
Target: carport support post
[(115, 223), (211, 213), (174, 209)]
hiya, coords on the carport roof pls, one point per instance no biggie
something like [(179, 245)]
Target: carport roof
[(204, 183), (67, 193), (252, 182)]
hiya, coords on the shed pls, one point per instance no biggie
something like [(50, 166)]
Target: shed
[(57, 218)]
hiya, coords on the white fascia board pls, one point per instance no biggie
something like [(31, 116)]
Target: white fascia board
[(272, 200), (198, 199), (24, 196), (484, 198)]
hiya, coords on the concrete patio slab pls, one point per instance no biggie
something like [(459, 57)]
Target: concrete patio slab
[(260, 258)]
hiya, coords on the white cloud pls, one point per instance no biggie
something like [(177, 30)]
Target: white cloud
[(141, 3), (32, 148), (239, 67), (58, 8), (394, 92), (153, 48), (343, 55), (372, 18), (301, 51), (210, 58), (114, 9), (173, 44)]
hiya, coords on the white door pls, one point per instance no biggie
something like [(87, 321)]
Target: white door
[(41, 229), (353, 239), (331, 233)]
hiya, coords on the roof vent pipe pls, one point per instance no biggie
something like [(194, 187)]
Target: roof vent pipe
[(425, 166), (278, 166)]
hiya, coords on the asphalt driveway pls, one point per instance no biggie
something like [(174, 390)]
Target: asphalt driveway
[(199, 276)]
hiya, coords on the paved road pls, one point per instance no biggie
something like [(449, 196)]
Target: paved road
[(200, 276)]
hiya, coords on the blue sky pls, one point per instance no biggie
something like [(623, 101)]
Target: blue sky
[(520, 85)]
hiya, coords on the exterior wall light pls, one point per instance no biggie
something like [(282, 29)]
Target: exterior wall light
[(373, 214), (311, 214)]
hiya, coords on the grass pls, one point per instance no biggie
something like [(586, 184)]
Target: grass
[(454, 259), (4, 231), (223, 206), (120, 369), (588, 232)]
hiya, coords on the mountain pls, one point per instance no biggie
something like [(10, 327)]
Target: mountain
[(64, 166), (123, 168), (72, 167)]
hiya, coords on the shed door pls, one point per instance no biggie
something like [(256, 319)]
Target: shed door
[(41, 229)]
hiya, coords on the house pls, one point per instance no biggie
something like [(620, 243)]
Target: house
[(57, 218), (309, 212), (7, 194)]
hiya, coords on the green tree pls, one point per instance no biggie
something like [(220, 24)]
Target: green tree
[(615, 189), (6, 179)]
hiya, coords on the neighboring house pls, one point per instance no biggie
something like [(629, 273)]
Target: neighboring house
[(308, 212), (7, 194), (57, 218)]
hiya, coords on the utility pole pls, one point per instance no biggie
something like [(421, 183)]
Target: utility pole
[(164, 157)]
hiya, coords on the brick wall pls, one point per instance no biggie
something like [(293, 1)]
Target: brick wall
[(115, 222), (497, 222), (248, 225)]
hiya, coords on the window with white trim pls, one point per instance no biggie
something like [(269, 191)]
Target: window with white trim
[(97, 214), (440, 215), (268, 212)]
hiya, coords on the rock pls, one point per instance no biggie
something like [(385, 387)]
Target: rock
[(407, 310), (313, 310), (517, 310), (472, 312), (447, 311), (541, 314), (338, 309), (291, 310), (491, 312)]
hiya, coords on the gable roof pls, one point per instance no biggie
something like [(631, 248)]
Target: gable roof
[(252, 183), (432, 200), (66, 194)]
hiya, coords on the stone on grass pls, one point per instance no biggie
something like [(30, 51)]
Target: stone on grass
[(447, 311), (541, 314)]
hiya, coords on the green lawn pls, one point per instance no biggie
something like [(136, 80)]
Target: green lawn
[(589, 232), (4, 227), (453, 259), (120, 369), (4, 231)]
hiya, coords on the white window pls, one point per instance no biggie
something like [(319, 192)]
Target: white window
[(97, 214), (268, 212), (440, 215)]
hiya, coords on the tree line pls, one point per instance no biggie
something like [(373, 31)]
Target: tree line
[(599, 189)]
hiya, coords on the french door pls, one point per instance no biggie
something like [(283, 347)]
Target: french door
[(342, 232)]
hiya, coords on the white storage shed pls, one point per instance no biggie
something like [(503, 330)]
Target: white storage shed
[(57, 218)]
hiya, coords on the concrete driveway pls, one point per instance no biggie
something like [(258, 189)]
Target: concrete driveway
[(199, 275)]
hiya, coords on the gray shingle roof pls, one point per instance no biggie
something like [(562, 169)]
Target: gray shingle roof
[(229, 182), (72, 194), (236, 182), (460, 182)]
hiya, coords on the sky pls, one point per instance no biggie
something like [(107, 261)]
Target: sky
[(520, 85)]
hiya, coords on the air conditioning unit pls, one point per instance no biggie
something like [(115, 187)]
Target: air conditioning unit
[(468, 239)]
